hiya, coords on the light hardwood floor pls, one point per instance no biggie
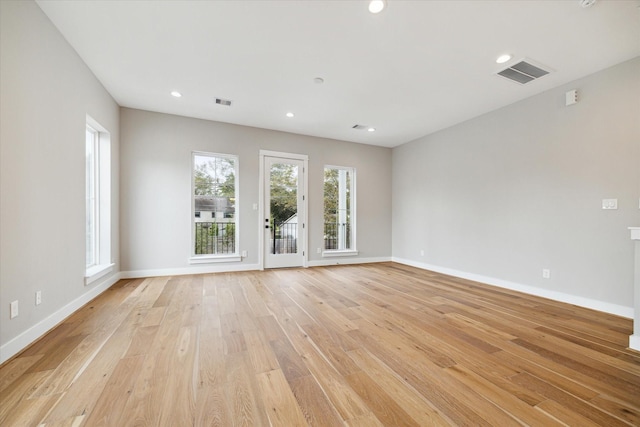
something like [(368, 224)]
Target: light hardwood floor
[(365, 345)]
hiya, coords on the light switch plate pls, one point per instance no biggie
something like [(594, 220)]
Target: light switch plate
[(13, 309), (609, 203)]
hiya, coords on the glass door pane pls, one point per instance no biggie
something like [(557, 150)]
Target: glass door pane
[(284, 212), (283, 206)]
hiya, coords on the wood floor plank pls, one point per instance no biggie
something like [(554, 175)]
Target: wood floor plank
[(355, 345), (82, 394), (563, 414), (382, 405), (617, 408), (368, 420), (510, 403), (246, 406), (282, 407), (108, 409), (212, 408), (313, 402), (411, 402), (29, 412), (19, 391), (181, 383), (346, 401), (15, 368), (566, 400)]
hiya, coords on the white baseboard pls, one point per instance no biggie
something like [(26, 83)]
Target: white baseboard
[(606, 307), (19, 343), (634, 342), (194, 269), (343, 261)]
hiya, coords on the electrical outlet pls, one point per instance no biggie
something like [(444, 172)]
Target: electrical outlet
[(609, 203), (318, 251), (421, 252), (244, 254), (13, 312), (38, 297), (546, 273)]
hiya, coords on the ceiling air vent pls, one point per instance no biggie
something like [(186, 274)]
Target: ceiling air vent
[(523, 72), (359, 127), (225, 102)]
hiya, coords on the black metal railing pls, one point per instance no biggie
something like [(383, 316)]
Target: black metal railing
[(284, 238), (331, 232), (215, 238)]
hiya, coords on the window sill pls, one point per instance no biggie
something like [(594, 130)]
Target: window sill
[(328, 254), (96, 272), (210, 259)]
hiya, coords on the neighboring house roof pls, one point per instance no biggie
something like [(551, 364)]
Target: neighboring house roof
[(213, 204), (293, 219)]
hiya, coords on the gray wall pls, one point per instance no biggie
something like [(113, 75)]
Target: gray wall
[(155, 193), (46, 93), (520, 189)]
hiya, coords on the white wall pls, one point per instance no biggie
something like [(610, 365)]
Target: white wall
[(504, 195), (47, 91), (155, 192)]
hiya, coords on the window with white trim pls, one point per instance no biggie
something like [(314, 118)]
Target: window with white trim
[(91, 199), (339, 211), (214, 199), (97, 201)]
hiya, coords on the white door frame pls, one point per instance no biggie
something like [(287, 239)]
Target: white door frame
[(305, 202)]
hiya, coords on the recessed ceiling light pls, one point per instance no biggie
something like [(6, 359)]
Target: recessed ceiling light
[(371, 129), (176, 94), (376, 6), (289, 114), (503, 58), (318, 80)]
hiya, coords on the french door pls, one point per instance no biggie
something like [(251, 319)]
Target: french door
[(284, 210)]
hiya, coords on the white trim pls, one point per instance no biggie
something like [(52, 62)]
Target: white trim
[(606, 307), (236, 213), (210, 259), (342, 261), (103, 200), (179, 271), (261, 212), (634, 342), (282, 155), (96, 272), (19, 343), (347, 252), (354, 206), (305, 231)]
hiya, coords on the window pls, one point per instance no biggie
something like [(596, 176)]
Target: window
[(91, 199), (97, 201), (215, 236), (339, 211)]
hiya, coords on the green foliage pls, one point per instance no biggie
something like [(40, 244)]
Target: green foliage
[(332, 206), (284, 192), (214, 176), (330, 196), (215, 238)]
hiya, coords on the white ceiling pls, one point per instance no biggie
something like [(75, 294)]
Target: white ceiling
[(415, 68)]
